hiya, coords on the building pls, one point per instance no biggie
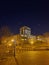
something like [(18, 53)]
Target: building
[(25, 31), (24, 37)]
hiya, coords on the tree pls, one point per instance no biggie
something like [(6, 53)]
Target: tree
[(46, 34), (4, 31)]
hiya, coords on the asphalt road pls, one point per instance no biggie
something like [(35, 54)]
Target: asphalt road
[(25, 58), (33, 58)]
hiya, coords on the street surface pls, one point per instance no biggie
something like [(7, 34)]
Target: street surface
[(27, 58), (33, 58), (24, 57)]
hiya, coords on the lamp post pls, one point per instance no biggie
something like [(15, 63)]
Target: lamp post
[(14, 41), (14, 46)]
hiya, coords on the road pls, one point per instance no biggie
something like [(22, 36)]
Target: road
[(24, 57), (33, 58), (27, 58)]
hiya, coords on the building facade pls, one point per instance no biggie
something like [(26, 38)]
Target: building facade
[(25, 31)]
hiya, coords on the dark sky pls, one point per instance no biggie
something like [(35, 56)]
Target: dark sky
[(16, 14)]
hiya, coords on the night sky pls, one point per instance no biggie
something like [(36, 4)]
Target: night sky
[(34, 14)]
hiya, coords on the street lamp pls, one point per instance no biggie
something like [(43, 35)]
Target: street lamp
[(14, 41), (14, 46)]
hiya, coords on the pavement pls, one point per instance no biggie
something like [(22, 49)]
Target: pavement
[(24, 57), (8, 61)]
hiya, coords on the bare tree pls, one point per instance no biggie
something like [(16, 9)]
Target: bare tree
[(46, 34), (4, 31)]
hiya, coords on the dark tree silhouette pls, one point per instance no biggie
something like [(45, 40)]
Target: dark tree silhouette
[(4, 31)]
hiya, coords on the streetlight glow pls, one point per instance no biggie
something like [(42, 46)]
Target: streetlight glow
[(12, 40), (31, 42), (10, 44)]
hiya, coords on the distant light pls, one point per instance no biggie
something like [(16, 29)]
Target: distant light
[(22, 35), (10, 44), (22, 39), (12, 40), (31, 42), (39, 39)]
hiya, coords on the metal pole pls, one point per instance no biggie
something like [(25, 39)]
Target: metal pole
[(14, 49)]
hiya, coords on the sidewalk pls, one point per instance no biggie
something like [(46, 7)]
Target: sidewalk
[(8, 61)]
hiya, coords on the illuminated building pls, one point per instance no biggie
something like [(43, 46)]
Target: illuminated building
[(25, 31)]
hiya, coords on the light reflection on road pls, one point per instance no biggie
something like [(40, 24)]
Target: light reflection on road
[(33, 58), (24, 57)]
